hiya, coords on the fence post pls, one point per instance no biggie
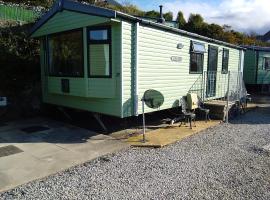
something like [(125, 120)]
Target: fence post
[(228, 90)]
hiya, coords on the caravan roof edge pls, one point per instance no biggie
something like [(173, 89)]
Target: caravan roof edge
[(257, 48), (179, 31), (61, 5), (104, 12)]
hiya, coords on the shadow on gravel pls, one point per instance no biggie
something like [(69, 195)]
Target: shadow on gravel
[(260, 115), (259, 151)]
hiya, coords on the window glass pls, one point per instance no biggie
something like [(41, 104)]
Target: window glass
[(99, 59), (196, 62), (225, 61), (66, 54), (266, 63), (99, 34), (99, 49), (198, 47)]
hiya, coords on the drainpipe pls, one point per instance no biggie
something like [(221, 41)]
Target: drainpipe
[(136, 63)]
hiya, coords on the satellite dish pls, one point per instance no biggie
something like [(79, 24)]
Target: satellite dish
[(153, 98)]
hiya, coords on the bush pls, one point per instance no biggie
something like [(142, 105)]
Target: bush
[(20, 70)]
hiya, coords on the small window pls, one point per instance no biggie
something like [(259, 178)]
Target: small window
[(198, 47), (99, 35), (266, 63), (225, 61), (99, 51), (196, 62), (65, 54), (196, 57)]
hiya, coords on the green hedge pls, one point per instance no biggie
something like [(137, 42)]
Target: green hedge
[(16, 13), (20, 70)]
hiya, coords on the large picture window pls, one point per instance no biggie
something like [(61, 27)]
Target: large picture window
[(66, 54), (197, 51), (266, 63), (225, 61), (99, 51)]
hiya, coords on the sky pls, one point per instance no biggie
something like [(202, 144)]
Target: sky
[(242, 15)]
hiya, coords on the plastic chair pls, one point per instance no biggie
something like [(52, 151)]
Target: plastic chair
[(188, 116)]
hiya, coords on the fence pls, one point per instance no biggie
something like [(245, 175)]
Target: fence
[(16, 13), (228, 88)]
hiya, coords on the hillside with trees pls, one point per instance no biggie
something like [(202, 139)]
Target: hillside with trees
[(195, 23)]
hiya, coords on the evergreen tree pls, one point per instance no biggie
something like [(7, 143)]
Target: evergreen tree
[(180, 19)]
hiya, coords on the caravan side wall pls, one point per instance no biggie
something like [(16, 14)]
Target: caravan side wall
[(255, 74), (157, 71), (102, 95)]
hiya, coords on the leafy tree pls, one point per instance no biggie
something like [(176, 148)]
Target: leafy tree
[(43, 3), (180, 19), (152, 14), (155, 14), (214, 31), (196, 24), (195, 21), (168, 16)]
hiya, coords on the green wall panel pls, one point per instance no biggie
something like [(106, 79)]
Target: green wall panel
[(67, 20), (263, 75)]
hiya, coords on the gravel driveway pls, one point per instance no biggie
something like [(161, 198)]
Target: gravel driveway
[(225, 162)]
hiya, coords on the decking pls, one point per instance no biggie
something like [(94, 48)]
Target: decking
[(218, 108)]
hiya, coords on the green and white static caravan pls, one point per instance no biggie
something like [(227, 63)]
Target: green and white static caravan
[(257, 69), (102, 61)]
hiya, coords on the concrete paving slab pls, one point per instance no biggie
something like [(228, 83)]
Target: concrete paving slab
[(50, 151)]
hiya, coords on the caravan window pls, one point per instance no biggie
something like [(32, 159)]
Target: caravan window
[(225, 61), (198, 47), (65, 54), (197, 51), (99, 52), (266, 63)]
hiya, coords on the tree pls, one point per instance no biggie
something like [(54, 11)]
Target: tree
[(214, 31), (43, 3), (168, 16), (180, 19), (152, 14), (195, 24)]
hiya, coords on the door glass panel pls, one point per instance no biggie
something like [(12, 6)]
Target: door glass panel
[(212, 72)]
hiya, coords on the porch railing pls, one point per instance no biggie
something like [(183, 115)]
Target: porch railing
[(218, 86)]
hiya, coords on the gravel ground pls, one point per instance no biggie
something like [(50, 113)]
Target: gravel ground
[(224, 162)]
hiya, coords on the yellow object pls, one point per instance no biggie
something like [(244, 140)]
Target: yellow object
[(192, 101)]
